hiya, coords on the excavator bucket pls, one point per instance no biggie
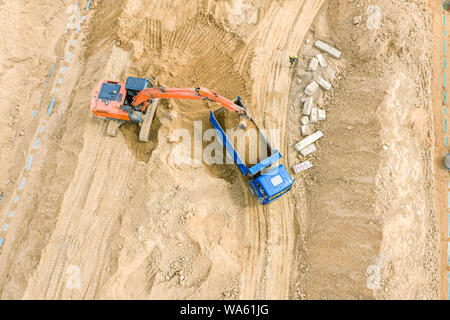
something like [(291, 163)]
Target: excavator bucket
[(144, 133)]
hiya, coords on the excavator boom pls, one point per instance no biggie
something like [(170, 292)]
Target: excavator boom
[(200, 93)]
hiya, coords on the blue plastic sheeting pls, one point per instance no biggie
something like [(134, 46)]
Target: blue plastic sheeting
[(50, 107), (448, 253), (29, 163), (448, 200)]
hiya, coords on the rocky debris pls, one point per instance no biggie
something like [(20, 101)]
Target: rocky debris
[(231, 290), (12, 116)]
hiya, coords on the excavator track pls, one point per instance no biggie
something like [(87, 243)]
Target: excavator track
[(144, 133), (113, 127)]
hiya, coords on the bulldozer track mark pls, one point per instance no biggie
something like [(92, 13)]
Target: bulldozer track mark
[(110, 163), (268, 64), (154, 29), (100, 206), (100, 243), (56, 260), (253, 276)]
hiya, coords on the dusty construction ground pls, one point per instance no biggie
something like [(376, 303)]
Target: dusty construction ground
[(132, 224)]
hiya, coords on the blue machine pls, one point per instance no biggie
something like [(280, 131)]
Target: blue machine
[(266, 184)]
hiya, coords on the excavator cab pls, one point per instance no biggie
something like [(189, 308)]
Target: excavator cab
[(113, 101), (135, 85)]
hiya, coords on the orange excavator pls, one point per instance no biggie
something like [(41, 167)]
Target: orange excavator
[(137, 99)]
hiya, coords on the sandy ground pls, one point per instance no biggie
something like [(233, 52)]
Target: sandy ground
[(102, 218), (439, 114)]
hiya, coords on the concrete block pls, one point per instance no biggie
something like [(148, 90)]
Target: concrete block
[(308, 140), (306, 130), (335, 53), (313, 64), (314, 115), (311, 88), (304, 120), (308, 150), (321, 59), (321, 115), (307, 106), (323, 83), (302, 166)]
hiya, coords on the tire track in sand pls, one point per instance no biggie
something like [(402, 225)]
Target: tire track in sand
[(287, 26), (91, 206)]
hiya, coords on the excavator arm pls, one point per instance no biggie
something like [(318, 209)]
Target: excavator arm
[(143, 97)]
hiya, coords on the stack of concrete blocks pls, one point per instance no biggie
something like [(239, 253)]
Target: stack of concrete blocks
[(312, 114), (306, 146)]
